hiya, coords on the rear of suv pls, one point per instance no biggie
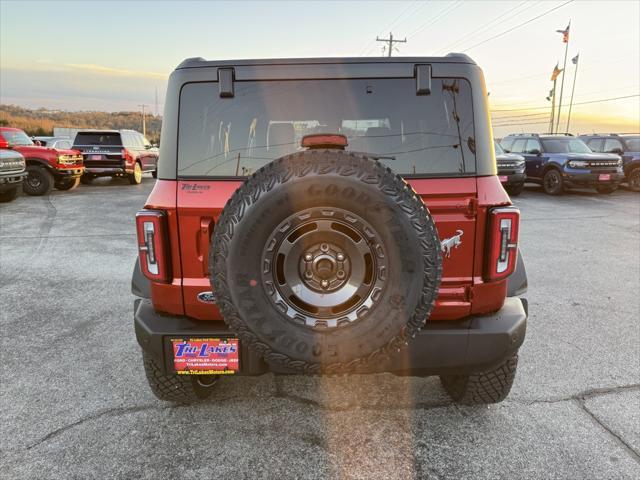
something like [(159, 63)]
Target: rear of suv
[(321, 216), (116, 153), (625, 145), (559, 162)]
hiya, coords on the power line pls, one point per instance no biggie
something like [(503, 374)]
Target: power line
[(446, 11), (486, 26), (523, 123), (518, 26), (579, 103), (371, 43)]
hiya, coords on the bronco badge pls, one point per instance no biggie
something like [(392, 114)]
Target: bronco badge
[(452, 242)]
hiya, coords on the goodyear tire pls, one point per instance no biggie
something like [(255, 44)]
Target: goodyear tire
[(325, 261), (39, 181), (172, 387)]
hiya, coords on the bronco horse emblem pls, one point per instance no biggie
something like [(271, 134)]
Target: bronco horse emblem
[(452, 242)]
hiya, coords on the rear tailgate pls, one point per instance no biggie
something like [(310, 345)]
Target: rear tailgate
[(100, 150), (451, 201)]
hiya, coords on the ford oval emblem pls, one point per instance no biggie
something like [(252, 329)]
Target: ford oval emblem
[(206, 297)]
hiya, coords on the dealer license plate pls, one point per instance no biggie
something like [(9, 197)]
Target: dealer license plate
[(206, 356), (503, 178), (604, 177)]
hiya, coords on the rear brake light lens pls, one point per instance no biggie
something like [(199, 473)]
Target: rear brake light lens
[(153, 245), (504, 225)]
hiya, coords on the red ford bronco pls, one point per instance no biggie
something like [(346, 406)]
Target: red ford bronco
[(321, 216), (46, 167)]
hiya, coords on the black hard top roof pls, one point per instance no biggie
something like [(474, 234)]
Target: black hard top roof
[(199, 62)]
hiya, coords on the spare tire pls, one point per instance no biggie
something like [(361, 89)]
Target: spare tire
[(325, 261)]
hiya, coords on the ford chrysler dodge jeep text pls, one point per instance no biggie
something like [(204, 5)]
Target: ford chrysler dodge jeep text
[(46, 167), (324, 216), (116, 153)]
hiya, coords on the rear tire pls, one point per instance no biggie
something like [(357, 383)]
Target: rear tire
[(490, 386), (39, 181), (9, 195), (68, 184), (135, 178), (552, 182), (514, 190), (634, 179), (172, 387)]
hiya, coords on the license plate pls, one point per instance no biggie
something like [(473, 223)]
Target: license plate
[(95, 157), (206, 356), (503, 178), (604, 177)]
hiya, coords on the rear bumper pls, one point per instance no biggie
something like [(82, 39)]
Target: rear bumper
[(474, 344), (10, 181)]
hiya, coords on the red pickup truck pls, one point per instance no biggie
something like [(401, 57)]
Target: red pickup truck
[(46, 167)]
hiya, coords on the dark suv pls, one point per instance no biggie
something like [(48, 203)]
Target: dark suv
[(325, 216), (626, 145), (116, 153), (510, 170), (563, 161)]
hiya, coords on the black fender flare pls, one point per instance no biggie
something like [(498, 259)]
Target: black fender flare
[(40, 162), (140, 285), (517, 282)]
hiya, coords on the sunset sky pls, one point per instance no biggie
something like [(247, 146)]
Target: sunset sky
[(114, 55)]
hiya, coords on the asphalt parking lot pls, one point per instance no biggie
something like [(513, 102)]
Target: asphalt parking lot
[(74, 402)]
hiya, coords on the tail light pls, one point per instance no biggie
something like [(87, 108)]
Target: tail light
[(126, 155), (503, 230), (153, 245)]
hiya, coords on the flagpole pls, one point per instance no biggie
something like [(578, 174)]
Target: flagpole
[(573, 89), (564, 67), (553, 107)]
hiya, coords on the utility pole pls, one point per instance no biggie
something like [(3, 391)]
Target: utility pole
[(390, 41), (156, 101), (144, 120)]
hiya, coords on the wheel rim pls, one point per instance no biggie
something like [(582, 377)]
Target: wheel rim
[(634, 180), (552, 181), (324, 268), (137, 173), (34, 181)]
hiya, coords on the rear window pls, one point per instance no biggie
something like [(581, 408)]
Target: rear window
[(414, 135), (93, 138)]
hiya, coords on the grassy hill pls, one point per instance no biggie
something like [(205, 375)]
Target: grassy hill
[(42, 121)]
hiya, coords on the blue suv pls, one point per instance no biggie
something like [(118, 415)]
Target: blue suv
[(626, 145), (564, 161)]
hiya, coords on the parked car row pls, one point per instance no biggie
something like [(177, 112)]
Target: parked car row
[(559, 162), (57, 162)]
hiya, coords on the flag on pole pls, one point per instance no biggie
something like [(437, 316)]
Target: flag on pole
[(556, 71), (565, 34), (574, 60)]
